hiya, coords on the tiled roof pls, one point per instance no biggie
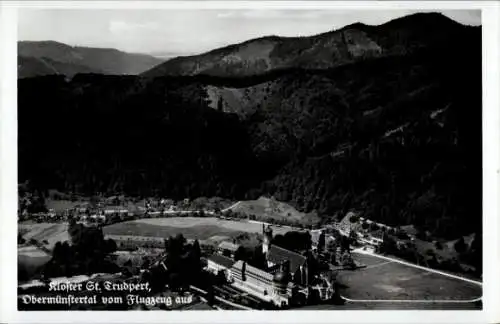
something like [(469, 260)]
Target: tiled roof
[(249, 269), (277, 255), (228, 246), (222, 260)]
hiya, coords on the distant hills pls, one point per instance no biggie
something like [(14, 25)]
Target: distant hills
[(166, 55), (385, 120), (350, 44), (49, 57)]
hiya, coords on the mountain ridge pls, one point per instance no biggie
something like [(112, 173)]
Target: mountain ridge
[(71, 60), (350, 43)]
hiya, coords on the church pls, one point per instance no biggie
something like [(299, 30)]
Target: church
[(280, 282), (297, 268)]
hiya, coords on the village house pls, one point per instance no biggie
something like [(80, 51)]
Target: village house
[(227, 248)]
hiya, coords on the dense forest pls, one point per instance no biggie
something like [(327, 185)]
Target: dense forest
[(116, 134), (395, 137)]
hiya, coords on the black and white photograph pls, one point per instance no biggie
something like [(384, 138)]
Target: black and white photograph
[(273, 158)]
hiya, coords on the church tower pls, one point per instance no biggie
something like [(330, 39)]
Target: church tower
[(268, 236)]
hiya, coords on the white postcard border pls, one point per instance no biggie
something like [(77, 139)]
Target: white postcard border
[(8, 175)]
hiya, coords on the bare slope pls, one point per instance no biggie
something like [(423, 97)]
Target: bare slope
[(269, 208)]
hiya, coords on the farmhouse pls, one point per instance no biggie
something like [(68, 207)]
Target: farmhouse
[(227, 248), (109, 211), (374, 239)]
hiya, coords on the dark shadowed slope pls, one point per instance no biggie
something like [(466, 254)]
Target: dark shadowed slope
[(69, 60), (398, 138), (350, 44), (28, 67)]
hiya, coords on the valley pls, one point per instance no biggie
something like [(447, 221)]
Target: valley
[(359, 149)]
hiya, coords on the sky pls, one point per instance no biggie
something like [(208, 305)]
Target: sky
[(192, 31)]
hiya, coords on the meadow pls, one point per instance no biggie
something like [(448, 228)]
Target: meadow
[(387, 280), (201, 228)]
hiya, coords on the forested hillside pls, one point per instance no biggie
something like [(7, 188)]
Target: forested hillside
[(350, 44), (114, 134), (396, 137)]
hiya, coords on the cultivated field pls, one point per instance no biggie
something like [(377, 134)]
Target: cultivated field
[(388, 280), (52, 232), (201, 228), (31, 258)]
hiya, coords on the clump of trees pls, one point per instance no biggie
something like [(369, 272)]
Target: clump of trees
[(86, 253), (321, 242), (460, 245), (180, 268), (31, 199), (20, 239), (471, 255), (294, 241)]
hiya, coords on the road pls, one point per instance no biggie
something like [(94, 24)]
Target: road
[(230, 207), (209, 212)]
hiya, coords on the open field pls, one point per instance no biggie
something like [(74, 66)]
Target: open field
[(388, 280), (265, 208), (31, 258), (52, 232), (201, 228), (138, 229)]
